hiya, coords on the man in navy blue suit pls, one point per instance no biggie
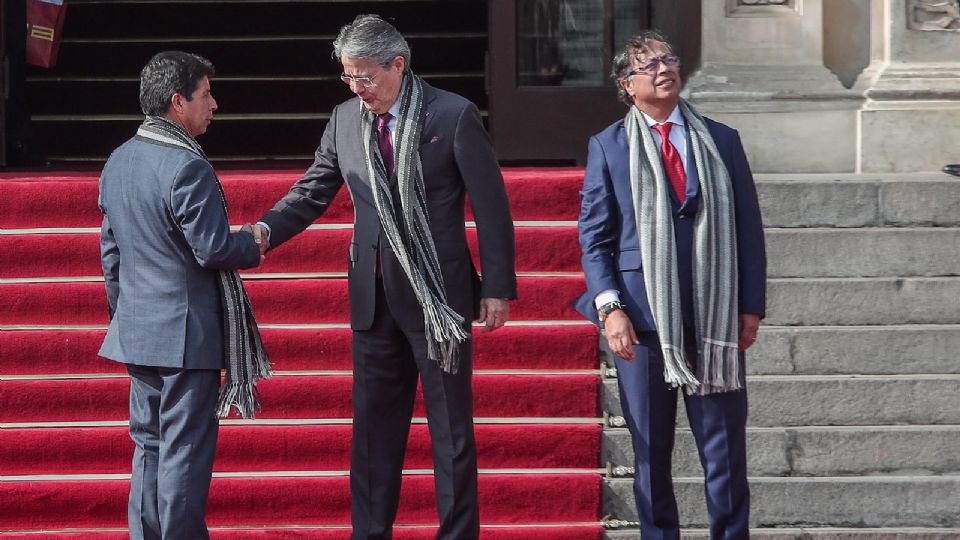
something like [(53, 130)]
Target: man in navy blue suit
[(675, 264)]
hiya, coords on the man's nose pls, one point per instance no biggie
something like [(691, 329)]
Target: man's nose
[(213, 104)]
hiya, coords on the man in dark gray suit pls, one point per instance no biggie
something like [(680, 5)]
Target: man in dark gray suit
[(168, 259), (409, 154)]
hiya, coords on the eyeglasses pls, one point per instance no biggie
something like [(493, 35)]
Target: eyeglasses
[(653, 66), (365, 82)]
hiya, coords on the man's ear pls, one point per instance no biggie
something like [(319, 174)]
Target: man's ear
[(176, 102)]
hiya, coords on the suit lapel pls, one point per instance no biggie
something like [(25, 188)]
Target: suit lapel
[(428, 112)]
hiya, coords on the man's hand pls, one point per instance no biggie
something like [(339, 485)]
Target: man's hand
[(621, 336), (749, 325), (494, 312), (259, 236)]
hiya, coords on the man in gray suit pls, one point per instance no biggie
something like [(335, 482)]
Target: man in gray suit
[(177, 308), (409, 154)]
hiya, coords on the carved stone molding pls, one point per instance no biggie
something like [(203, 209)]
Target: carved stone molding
[(934, 15), (762, 8)]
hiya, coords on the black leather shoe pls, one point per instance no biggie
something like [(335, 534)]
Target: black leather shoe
[(953, 168), (22, 154)]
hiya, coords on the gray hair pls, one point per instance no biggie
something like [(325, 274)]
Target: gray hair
[(169, 73), (635, 46), (371, 38)]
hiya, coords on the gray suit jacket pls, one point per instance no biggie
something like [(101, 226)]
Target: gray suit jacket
[(164, 237), (457, 160)]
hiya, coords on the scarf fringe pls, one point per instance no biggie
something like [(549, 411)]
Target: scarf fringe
[(444, 332), (676, 373), (241, 396), (719, 368)]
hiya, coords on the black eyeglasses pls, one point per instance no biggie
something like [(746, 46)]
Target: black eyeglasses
[(653, 66)]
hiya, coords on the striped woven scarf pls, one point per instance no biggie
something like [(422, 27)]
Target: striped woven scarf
[(414, 247), (714, 257), (246, 359)]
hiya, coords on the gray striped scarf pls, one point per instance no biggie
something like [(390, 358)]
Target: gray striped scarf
[(714, 257), (247, 361), (414, 249)]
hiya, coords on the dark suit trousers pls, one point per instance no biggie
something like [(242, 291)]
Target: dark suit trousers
[(174, 426), (718, 423), (388, 361)]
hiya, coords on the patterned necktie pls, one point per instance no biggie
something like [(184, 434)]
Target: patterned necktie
[(385, 142), (672, 162)]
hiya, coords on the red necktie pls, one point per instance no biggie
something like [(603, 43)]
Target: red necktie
[(672, 162), (385, 142)]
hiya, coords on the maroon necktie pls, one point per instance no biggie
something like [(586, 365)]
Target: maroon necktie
[(385, 142), (672, 162)]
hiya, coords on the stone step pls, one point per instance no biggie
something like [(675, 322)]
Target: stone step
[(866, 350), (819, 451), (859, 501), (859, 200), (863, 301), (815, 533), (828, 400), (863, 252)]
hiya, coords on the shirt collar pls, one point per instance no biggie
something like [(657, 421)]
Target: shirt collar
[(676, 117), (395, 108)]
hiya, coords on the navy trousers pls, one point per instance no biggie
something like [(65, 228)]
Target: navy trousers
[(718, 423), (174, 427)]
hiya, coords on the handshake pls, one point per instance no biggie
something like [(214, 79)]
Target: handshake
[(260, 236)]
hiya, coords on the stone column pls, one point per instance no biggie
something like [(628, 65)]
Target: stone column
[(762, 72), (911, 119)]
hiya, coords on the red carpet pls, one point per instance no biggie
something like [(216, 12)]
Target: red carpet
[(539, 249), (70, 200), (308, 397), (310, 500), (299, 447), (286, 301), (540, 532), (536, 389), (50, 352)]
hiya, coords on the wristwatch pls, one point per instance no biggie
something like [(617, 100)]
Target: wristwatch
[(605, 310)]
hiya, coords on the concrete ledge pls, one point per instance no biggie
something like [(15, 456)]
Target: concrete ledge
[(819, 451), (815, 533), (867, 350), (783, 401), (859, 200), (862, 301), (903, 501), (863, 252)]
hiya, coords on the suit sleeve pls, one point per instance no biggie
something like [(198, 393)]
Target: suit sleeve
[(110, 260), (597, 225), (310, 196), (751, 250), (198, 208), (488, 197)]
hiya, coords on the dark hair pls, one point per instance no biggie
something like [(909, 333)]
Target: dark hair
[(371, 38), (635, 46), (169, 73)]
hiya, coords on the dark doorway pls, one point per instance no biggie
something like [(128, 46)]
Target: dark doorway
[(549, 68)]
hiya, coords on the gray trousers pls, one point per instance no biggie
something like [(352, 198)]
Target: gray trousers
[(174, 426)]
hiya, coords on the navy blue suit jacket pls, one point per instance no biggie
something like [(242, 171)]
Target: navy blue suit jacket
[(611, 245)]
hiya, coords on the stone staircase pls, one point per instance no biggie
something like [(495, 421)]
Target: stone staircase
[(854, 384)]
